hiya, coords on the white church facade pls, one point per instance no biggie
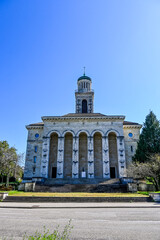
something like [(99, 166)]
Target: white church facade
[(80, 145)]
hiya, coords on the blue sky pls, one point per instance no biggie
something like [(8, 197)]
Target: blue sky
[(45, 44)]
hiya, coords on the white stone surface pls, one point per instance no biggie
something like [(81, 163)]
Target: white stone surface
[(75, 124)]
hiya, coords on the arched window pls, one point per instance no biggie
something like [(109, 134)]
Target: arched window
[(35, 149), (34, 170), (34, 159), (84, 106)]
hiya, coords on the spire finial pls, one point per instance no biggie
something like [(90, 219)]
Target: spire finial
[(84, 71)]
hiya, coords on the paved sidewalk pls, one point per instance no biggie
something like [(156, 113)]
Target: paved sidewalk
[(79, 205)]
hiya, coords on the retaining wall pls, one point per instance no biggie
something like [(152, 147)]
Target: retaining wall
[(77, 199)]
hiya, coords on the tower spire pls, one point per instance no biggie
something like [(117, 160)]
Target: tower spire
[(84, 71)]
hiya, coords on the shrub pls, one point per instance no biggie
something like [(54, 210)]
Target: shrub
[(56, 235)]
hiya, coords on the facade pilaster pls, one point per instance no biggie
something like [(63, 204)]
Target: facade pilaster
[(90, 157), (75, 157), (60, 157), (105, 155), (121, 156), (45, 157)]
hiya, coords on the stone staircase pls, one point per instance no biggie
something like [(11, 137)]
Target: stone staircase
[(81, 185), (58, 181)]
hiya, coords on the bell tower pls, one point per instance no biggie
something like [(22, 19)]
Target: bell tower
[(84, 95)]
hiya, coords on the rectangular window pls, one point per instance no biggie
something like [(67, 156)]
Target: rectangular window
[(131, 148), (35, 159), (34, 170), (35, 149)]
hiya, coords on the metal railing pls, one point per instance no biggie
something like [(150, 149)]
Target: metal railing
[(84, 90)]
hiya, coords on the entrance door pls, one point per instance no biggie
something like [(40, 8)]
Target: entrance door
[(112, 172), (54, 172)]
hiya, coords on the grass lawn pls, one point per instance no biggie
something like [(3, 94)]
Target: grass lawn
[(147, 193), (73, 194)]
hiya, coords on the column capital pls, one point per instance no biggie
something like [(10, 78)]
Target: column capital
[(60, 137), (90, 137), (120, 137), (45, 137), (75, 137), (104, 137)]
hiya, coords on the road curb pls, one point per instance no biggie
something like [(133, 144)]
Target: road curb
[(79, 207)]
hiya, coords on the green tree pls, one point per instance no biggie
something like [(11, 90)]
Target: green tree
[(9, 161), (149, 170), (149, 141), (4, 146)]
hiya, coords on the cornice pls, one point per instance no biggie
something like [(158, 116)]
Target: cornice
[(52, 118), (34, 127), (132, 126)]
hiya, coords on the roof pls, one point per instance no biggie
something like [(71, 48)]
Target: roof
[(84, 77), (130, 123), (83, 115), (37, 124)]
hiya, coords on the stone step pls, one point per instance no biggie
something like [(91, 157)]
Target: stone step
[(83, 188), (65, 188), (55, 181), (110, 186)]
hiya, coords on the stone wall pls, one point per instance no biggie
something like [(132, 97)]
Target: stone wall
[(89, 126), (130, 142), (32, 141), (89, 97)]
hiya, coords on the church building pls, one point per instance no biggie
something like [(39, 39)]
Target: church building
[(80, 145)]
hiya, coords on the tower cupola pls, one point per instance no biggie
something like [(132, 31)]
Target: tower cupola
[(84, 83)]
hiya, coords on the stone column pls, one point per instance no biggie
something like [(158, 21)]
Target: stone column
[(60, 157), (75, 158), (105, 155), (121, 156), (45, 157), (90, 157)]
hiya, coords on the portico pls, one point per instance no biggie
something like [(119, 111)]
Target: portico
[(84, 153)]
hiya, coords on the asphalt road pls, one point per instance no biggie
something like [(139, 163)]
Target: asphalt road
[(88, 223)]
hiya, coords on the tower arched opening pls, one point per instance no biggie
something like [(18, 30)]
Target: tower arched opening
[(84, 106)]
